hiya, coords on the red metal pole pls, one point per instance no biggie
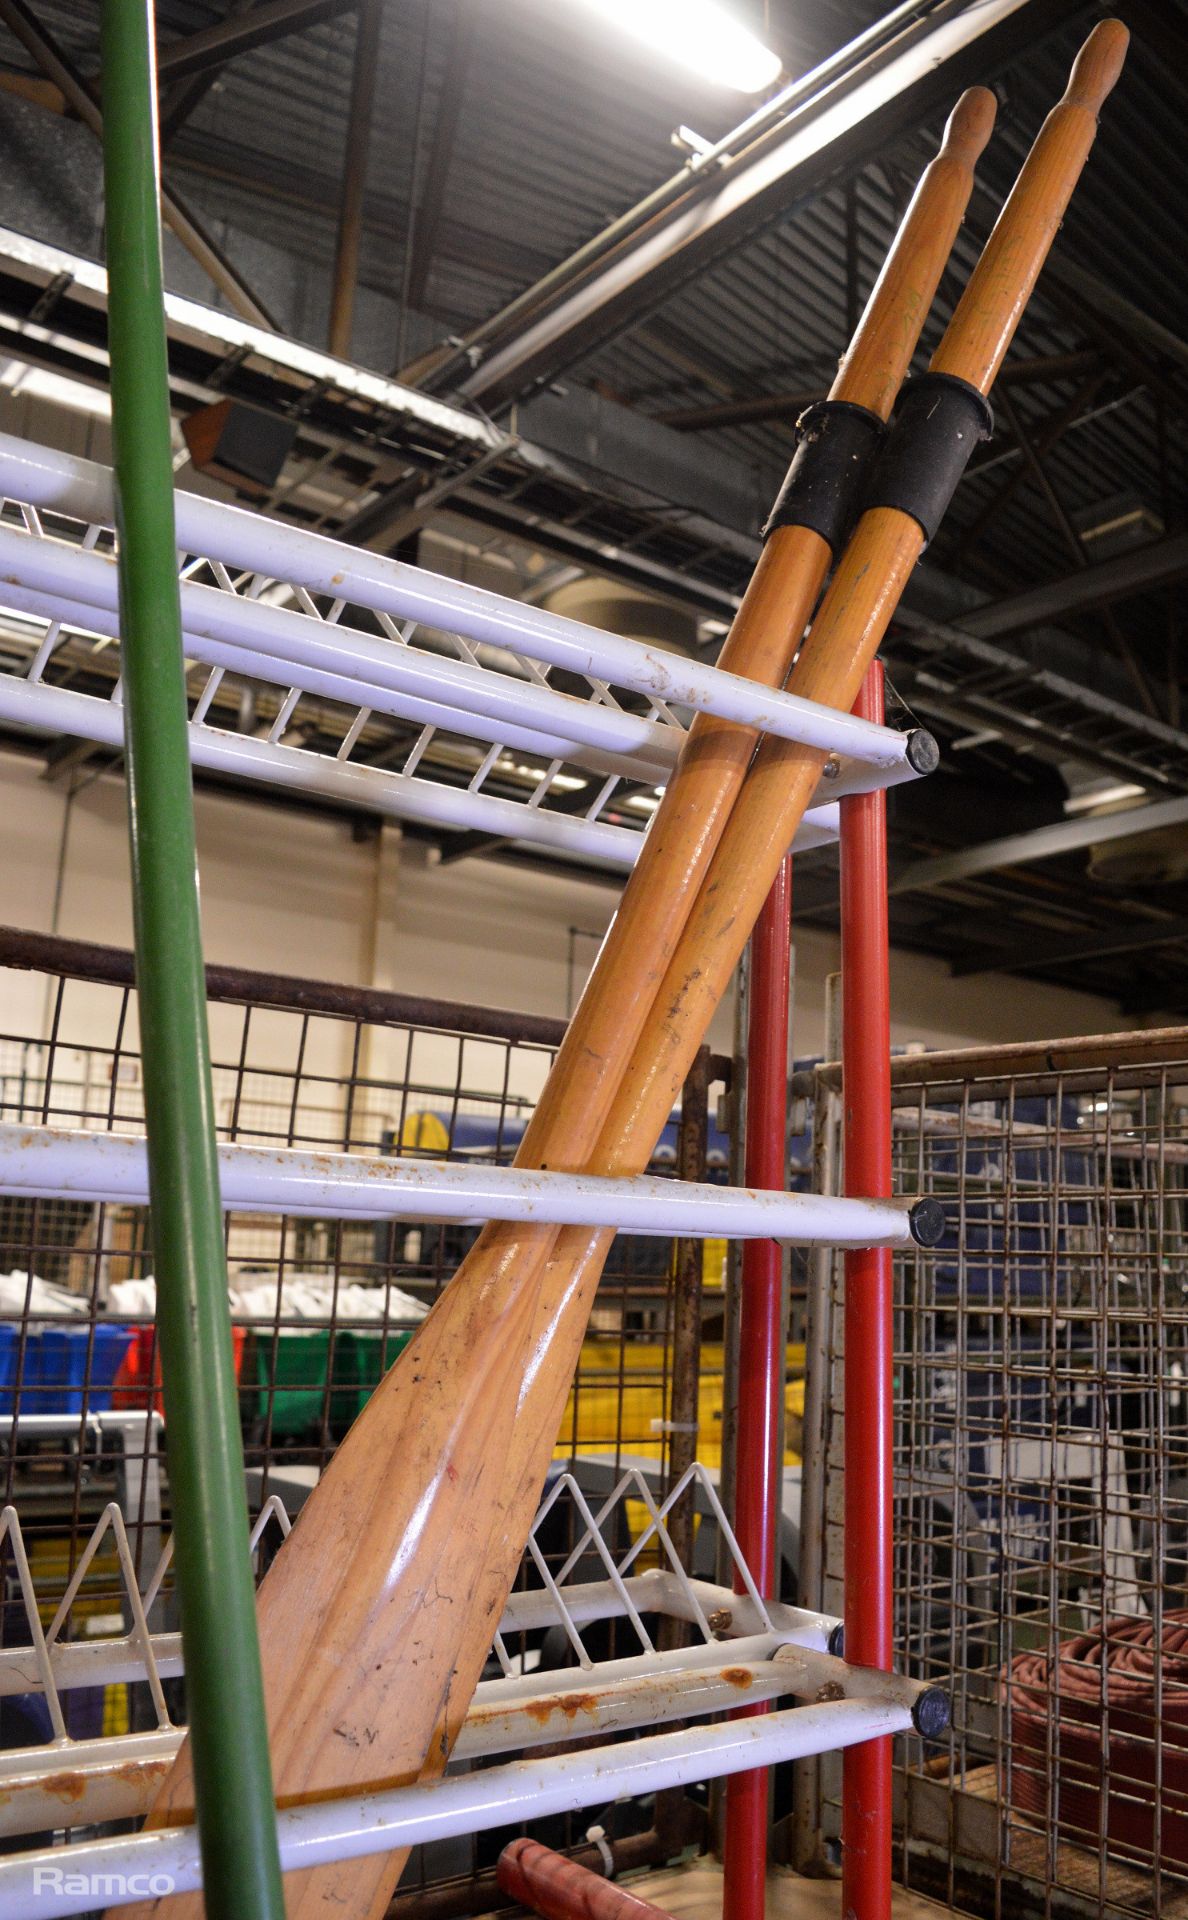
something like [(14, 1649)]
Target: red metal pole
[(866, 1062), (761, 1365)]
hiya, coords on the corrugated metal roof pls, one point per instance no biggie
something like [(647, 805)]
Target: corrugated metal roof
[(560, 130), (562, 127)]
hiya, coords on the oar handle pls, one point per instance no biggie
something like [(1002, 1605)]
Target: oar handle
[(763, 637), (843, 640), (981, 329), (969, 127), (872, 371), (1097, 68)]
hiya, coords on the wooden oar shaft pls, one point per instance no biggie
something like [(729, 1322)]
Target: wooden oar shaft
[(831, 667), (850, 626), (761, 644), (376, 1617)]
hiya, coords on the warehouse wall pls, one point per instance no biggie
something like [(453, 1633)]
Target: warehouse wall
[(296, 894)]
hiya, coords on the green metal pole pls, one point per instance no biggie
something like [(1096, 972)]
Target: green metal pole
[(224, 1688)]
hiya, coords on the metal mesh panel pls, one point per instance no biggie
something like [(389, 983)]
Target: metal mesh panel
[(1041, 1465), (321, 1308)]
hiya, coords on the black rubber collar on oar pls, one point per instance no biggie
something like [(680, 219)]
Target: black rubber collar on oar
[(938, 423), (822, 488)]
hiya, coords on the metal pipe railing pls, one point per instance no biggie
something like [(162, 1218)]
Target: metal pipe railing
[(353, 1826), (248, 986), (65, 483), (225, 1695), (759, 1467), (869, 1343), (56, 1162)]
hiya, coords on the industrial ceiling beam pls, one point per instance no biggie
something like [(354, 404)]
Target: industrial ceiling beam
[(1040, 955), (1041, 843), (463, 23), (1097, 297), (786, 406), (184, 97), (345, 278), (1158, 564), (1050, 432), (870, 102), (177, 217), (741, 413), (240, 32), (1041, 690), (1076, 546)]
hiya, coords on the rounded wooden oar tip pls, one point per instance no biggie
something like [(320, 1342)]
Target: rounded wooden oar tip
[(970, 125), (1097, 66)]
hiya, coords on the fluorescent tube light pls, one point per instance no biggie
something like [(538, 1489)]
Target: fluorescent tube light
[(1103, 794), (700, 35)]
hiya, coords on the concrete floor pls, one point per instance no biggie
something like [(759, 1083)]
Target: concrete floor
[(695, 1893)]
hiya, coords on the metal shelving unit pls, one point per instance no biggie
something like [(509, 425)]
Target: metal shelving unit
[(622, 732), (329, 640), (269, 659)]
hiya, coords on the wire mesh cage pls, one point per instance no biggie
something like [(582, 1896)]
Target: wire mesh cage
[(1041, 1498), (321, 1307)]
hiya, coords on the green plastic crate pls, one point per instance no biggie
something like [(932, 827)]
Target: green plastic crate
[(295, 1365)]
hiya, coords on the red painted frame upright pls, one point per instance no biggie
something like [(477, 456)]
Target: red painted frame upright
[(866, 1051), (868, 1365)]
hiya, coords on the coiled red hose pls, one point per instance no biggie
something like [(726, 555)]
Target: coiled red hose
[(1096, 1751), (560, 1889)]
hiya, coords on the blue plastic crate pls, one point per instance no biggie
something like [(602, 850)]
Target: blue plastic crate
[(9, 1348), (57, 1371)]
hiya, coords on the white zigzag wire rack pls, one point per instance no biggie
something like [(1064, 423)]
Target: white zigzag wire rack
[(737, 1648), (316, 666)]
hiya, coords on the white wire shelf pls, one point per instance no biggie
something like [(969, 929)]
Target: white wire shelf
[(53, 1163), (303, 652), (741, 1650)]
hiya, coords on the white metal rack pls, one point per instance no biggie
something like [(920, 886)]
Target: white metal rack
[(335, 639), (330, 645), (741, 1650)]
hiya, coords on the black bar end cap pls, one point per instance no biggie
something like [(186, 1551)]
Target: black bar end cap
[(930, 1713), (923, 753), (927, 1222)]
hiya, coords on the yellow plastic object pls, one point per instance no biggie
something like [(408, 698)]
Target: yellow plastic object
[(621, 1402), (423, 1133)]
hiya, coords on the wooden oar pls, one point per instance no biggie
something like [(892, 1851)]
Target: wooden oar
[(843, 641), (361, 1672)]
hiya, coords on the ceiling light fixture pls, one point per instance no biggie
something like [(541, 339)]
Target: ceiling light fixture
[(700, 35), (1104, 794)]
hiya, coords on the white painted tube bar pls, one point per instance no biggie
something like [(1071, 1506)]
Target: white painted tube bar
[(52, 1162), (118, 1871), (375, 789), (357, 668), (104, 1662), (654, 760), (117, 1778), (353, 690), (62, 482), (120, 1660)]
